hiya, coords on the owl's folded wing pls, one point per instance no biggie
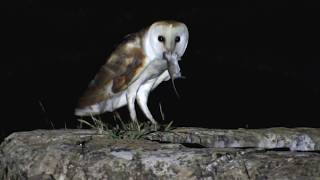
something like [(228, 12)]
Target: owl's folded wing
[(124, 64)]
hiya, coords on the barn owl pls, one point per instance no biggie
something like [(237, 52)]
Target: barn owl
[(136, 67)]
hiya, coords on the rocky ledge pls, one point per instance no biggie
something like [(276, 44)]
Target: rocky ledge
[(183, 153)]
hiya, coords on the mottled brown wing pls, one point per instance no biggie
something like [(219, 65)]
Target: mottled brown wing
[(124, 64)]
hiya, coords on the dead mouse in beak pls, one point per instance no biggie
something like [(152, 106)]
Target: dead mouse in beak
[(173, 68)]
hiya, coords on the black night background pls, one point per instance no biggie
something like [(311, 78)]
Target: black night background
[(245, 67)]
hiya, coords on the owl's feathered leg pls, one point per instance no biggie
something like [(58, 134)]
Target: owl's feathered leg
[(131, 97), (149, 73), (144, 91), (142, 99), (163, 77)]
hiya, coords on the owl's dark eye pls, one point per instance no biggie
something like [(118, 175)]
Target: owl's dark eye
[(161, 38), (177, 39)]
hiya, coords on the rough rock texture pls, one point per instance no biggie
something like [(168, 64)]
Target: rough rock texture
[(224, 154), (296, 139)]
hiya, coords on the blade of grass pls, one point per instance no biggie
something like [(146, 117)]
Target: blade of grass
[(161, 112), (87, 123), (168, 128)]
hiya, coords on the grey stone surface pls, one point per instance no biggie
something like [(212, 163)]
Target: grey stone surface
[(83, 154), (296, 139)]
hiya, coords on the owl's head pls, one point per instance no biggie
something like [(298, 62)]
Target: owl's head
[(168, 38)]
